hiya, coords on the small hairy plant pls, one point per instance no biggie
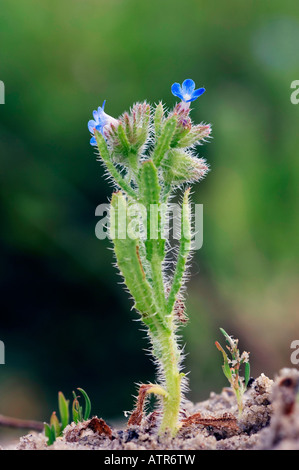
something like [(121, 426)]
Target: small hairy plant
[(231, 368), (149, 154), (55, 428)]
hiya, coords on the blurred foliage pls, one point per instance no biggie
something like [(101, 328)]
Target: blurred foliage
[(65, 319)]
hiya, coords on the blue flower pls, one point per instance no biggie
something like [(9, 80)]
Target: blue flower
[(187, 92), (99, 121)]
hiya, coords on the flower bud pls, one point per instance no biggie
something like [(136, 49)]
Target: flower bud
[(180, 167), (128, 139), (195, 135)]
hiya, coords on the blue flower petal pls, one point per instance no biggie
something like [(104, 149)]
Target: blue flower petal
[(187, 91), (98, 123), (176, 90), (91, 125), (188, 86), (101, 115), (197, 93)]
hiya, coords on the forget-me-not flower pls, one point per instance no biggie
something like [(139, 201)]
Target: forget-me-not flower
[(99, 122), (186, 92)]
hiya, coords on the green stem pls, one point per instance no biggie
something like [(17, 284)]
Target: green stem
[(239, 397), (164, 141), (104, 152), (168, 352), (158, 284), (170, 359), (184, 250)]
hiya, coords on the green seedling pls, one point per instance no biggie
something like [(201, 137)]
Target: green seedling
[(149, 155), (231, 368), (77, 410), (55, 428)]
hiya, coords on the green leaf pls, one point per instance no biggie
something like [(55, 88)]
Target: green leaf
[(158, 119), (123, 140), (54, 422), (130, 263), (76, 409), (227, 371), (50, 433), (63, 410), (226, 368), (150, 195), (183, 253), (87, 404), (127, 254), (194, 135), (247, 373), (228, 339), (164, 141), (53, 432)]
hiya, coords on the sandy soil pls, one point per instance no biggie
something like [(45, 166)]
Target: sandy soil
[(270, 421)]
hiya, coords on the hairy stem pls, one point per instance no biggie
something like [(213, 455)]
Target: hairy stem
[(170, 361), (120, 181), (183, 253)]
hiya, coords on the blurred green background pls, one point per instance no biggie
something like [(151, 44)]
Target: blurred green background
[(66, 322)]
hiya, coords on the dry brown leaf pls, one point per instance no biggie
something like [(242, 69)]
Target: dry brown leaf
[(136, 416), (99, 426), (224, 422)]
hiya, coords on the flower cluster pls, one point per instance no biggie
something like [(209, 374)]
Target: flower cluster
[(102, 121), (128, 137)]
